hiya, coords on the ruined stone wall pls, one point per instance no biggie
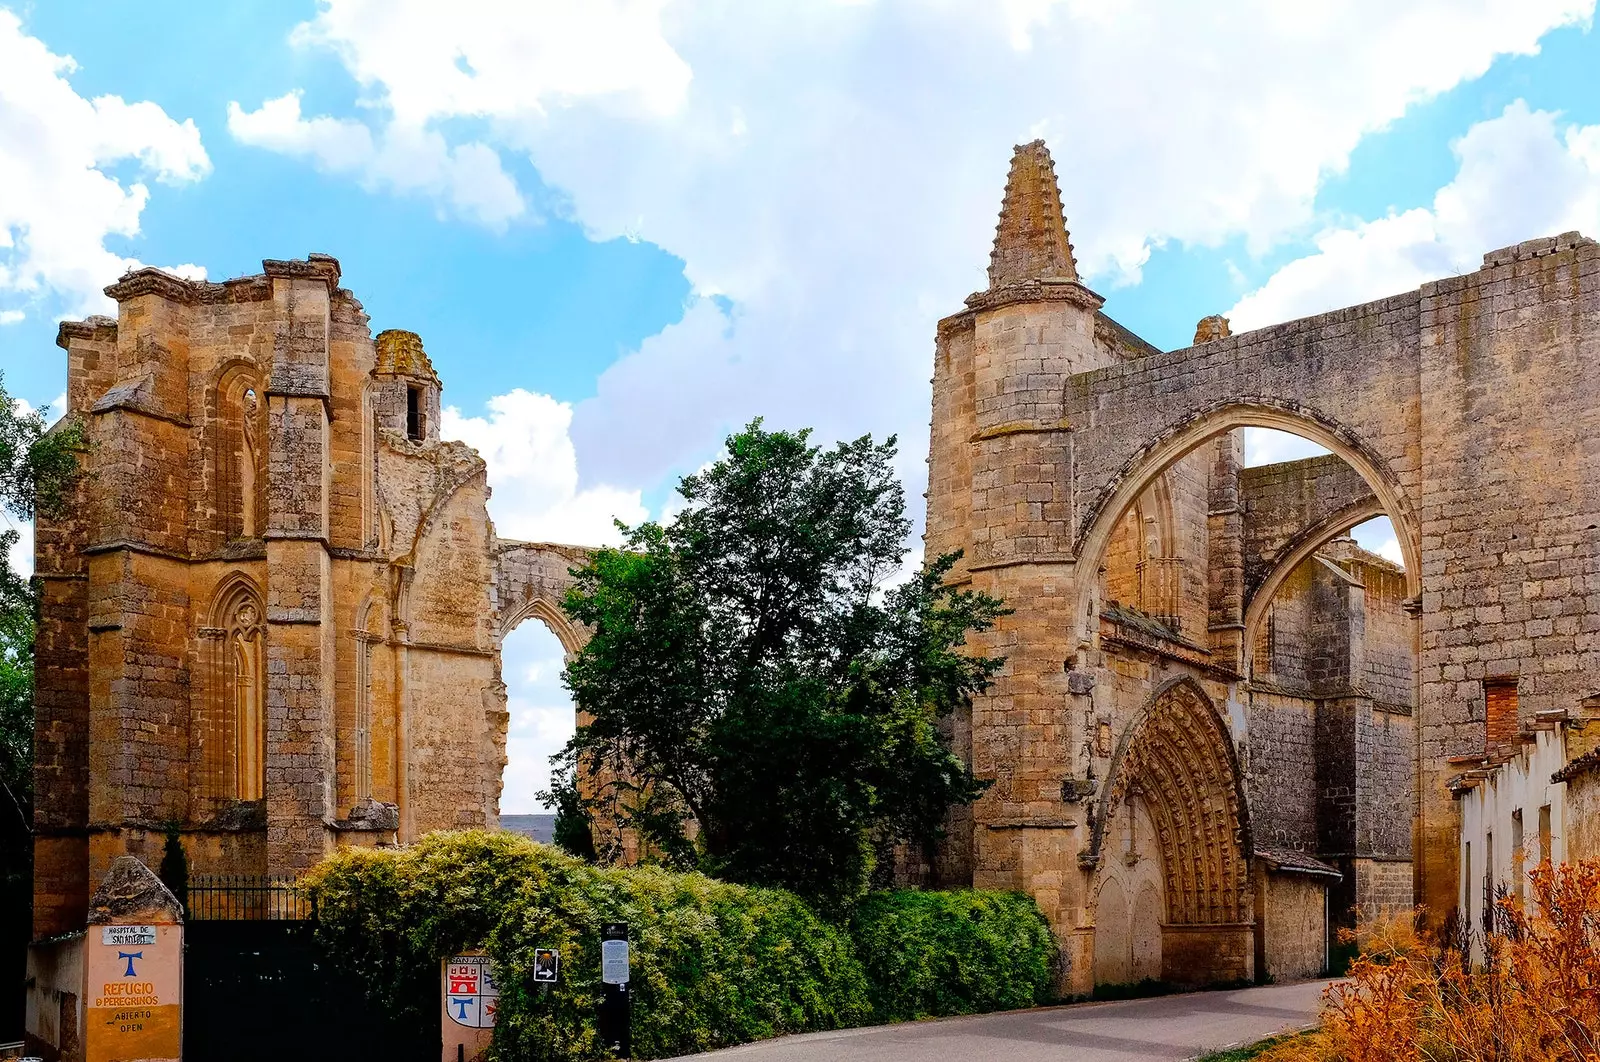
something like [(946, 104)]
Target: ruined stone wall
[(1282, 773), (1390, 643), (1386, 757), (271, 615), (1383, 890), (1157, 560), (1438, 401), (1509, 510), (1285, 647)]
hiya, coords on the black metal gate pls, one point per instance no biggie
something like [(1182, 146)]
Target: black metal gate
[(257, 987)]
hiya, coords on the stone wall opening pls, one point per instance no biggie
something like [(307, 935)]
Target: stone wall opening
[(542, 715), (1242, 573), (1173, 834)]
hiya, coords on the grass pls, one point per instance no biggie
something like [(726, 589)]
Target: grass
[(1255, 1050)]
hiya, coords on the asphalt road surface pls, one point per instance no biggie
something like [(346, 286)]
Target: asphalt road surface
[(1175, 1027)]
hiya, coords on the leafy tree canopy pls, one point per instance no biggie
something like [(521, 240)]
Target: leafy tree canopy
[(36, 474), (763, 687)]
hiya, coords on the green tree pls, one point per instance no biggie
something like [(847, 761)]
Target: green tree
[(764, 688), (36, 473)]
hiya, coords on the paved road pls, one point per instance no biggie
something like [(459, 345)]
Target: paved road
[(1174, 1027)]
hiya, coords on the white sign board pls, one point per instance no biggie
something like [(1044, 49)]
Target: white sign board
[(471, 996), (614, 962), (546, 966), (127, 936)]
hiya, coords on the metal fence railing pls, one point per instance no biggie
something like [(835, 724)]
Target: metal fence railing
[(245, 898)]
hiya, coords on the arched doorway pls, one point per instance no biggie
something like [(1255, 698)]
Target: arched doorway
[(1171, 833)]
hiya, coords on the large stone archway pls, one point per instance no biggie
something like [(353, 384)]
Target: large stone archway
[(1051, 421), (1120, 491)]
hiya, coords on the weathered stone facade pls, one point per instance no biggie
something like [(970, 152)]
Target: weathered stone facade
[(1192, 647), (274, 616)]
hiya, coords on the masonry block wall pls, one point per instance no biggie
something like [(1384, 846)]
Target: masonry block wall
[(271, 614)]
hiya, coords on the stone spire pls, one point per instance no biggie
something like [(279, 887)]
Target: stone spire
[(1031, 242)]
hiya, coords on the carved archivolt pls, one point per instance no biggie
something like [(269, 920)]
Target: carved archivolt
[(1178, 761)]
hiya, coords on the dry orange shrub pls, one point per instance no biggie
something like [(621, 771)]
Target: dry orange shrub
[(1532, 996)]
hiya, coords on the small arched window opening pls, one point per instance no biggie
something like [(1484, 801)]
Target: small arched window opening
[(414, 415)]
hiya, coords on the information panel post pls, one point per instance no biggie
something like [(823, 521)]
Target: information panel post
[(616, 1007)]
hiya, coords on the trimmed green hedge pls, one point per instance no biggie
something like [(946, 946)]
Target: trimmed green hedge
[(713, 964), (931, 954)]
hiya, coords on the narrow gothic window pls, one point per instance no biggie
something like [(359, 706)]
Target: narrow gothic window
[(244, 643), (414, 414), (236, 454), (363, 736), (247, 466)]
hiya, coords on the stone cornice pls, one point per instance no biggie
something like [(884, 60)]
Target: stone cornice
[(255, 288), (321, 267), (440, 647), (93, 328), (151, 281), (135, 547), (1019, 427), (1014, 562), (1046, 290)]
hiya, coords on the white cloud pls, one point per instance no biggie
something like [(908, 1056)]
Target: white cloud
[(11, 316), (58, 202), (20, 556), (1267, 446), (834, 169), (1521, 175), (487, 58), (403, 157), (1378, 536), (533, 472)]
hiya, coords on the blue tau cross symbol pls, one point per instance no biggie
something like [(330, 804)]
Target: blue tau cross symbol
[(130, 956), (463, 1003)]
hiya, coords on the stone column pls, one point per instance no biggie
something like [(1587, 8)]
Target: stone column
[(300, 762)]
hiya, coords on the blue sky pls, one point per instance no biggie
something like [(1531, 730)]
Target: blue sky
[(623, 228)]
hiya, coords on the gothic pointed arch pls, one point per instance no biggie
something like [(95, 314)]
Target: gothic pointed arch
[(371, 621), (234, 698), (1142, 569), (1178, 758), (1103, 515), (236, 416), (551, 615)]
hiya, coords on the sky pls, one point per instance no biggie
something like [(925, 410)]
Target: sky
[(624, 228)]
